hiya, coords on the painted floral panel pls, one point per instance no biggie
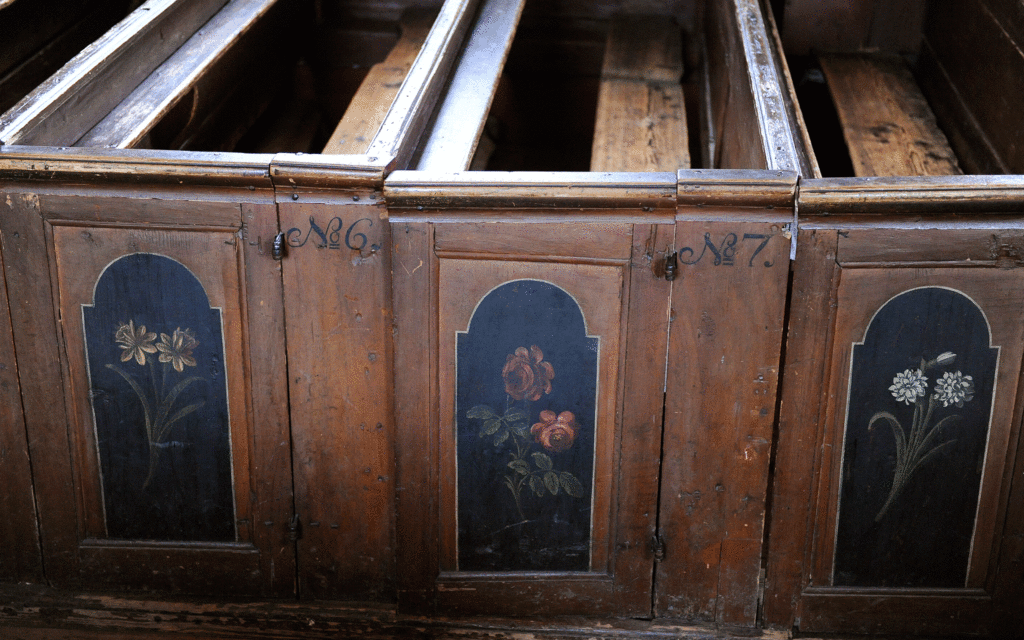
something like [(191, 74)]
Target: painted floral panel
[(525, 415), (159, 396), (921, 389)]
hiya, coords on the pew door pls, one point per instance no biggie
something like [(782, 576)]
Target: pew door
[(531, 327), (144, 317), (899, 434)]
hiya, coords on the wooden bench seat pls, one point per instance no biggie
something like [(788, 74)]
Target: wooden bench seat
[(888, 126), (641, 118), (366, 111)]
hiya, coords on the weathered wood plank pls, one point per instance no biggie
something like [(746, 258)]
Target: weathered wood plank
[(128, 123), (459, 122), (641, 115), (640, 126), (647, 48), (20, 555), (803, 402), (33, 319), (415, 387), (366, 111), (272, 459), (889, 128), (338, 325), (726, 339), (78, 96)]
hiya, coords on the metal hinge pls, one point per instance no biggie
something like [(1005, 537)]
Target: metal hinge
[(671, 266), (294, 529), (658, 547)]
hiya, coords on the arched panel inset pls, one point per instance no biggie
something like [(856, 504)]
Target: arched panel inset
[(921, 390), (155, 354), (526, 405)]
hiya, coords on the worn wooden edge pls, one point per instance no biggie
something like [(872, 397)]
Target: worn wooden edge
[(34, 607), (458, 124), (802, 383), (412, 107), (21, 557), (328, 171), (128, 123), (104, 166), (736, 188), (918, 195), (805, 150), (529, 190), (417, 536), (98, 58), (778, 131)]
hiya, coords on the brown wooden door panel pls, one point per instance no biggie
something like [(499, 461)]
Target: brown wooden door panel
[(337, 304), (528, 489), (899, 431), (164, 472), (728, 308)]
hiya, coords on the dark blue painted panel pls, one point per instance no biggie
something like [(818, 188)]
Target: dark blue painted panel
[(159, 396), (920, 400), (525, 409)]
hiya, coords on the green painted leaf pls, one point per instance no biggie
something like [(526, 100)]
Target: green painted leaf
[(520, 467), (571, 485), (515, 414), (490, 427), (481, 411), (501, 437), (551, 482), (542, 461), (537, 485)]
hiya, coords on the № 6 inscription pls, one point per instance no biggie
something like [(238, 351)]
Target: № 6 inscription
[(329, 237)]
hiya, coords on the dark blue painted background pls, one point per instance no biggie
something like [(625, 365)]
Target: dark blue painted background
[(190, 495), (522, 313)]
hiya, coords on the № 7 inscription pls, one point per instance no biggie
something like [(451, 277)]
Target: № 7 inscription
[(724, 253), (329, 237)]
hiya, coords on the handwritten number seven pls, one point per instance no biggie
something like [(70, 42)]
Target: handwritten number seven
[(764, 238)]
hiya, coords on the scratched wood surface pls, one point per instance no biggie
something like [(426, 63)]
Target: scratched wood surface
[(728, 309), (338, 326), (889, 128)]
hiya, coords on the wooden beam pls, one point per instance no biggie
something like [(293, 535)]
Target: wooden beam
[(460, 119), (366, 111), (641, 115), (889, 128), (78, 96), (129, 122)]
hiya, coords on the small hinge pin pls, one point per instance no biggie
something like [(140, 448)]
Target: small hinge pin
[(278, 249), (658, 547), (671, 266)]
